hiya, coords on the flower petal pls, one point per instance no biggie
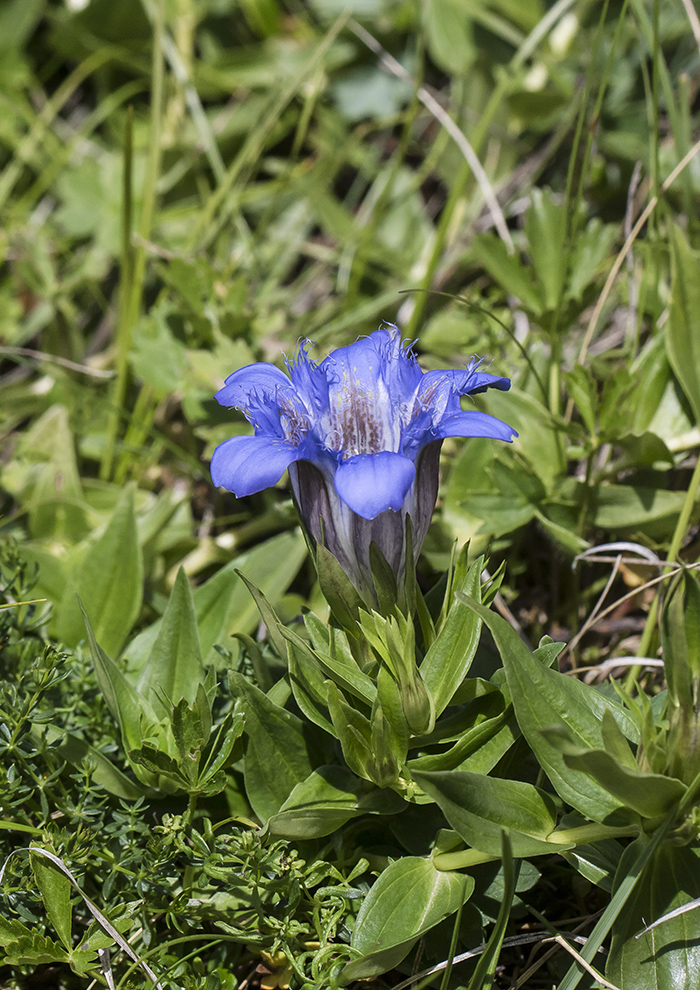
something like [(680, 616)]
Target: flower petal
[(309, 380), (245, 465), (260, 377), (475, 424), (371, 483)]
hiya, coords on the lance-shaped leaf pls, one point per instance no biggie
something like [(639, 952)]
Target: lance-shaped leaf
[(450, 656), (480, 808), (327, 799), (125, 704), (650, 795), (276, 759), (353, 731), (543, 698), (683, 336), (174, 669), (109, 583)]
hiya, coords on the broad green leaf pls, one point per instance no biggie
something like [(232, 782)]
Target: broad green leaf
[(11, 930), (276, 758), (449, 35), (596, 862), (467, 750), (409, 898), (622, 507), (683, 336), (174, 669), (45, 473), (668, 956), (109, 583), (450, 656), (327, 799), (543, 698), (481, 808), (592, 246), (55, 889), (224, 605), (34, 950), (650, 795), (538, 440), (507, 271), (545, 227)]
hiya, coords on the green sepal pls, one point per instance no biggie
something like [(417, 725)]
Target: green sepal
[(343, 598)]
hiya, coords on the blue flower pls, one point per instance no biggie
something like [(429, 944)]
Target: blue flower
[(360, 433)]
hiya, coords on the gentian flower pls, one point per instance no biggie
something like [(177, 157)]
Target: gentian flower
[(361, 433)]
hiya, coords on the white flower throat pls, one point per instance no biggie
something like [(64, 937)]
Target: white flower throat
[(362, 420)]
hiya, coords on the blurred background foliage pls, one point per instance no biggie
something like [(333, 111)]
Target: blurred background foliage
[(191, 185)]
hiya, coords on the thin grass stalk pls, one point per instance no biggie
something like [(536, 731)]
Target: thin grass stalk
[(575, 973), (125, 286), (42, 122), (135, 285), (679, 532), (216, 212)]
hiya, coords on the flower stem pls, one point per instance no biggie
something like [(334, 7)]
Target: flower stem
[(580, 836)]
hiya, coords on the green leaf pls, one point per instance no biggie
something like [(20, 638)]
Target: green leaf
[(513, 277), (650, 795), (450, 656), (668, 956), (308, 686), (327, 799), (470, 751), (623, 507), (122, 700), (485, 971), (34, 950), (174, 669), (352, 730), (592, 247), (223, 603), (542, 698), (338, 590), (449, 35), (109, 583), (481, 808), (596, 862), (55, 889), (582, 389), (683, 336), (276, 759), (409, 898), (341, 669), (545, 227)]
